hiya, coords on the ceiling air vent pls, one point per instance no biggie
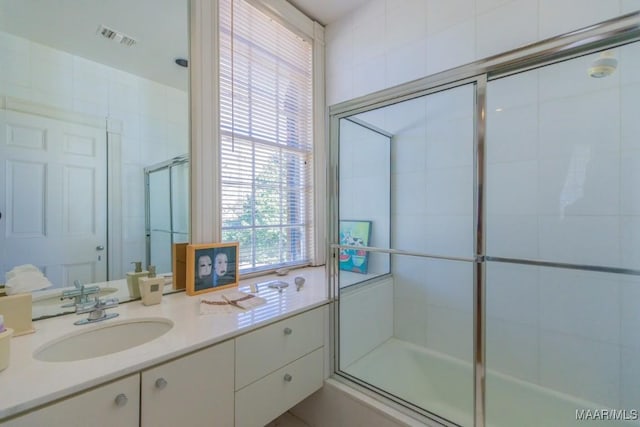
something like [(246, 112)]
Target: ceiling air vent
[(116, 36)]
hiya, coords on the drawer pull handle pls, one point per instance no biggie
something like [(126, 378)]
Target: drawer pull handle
[(121, 400), (288, 378), (161, 383), (288, 331)]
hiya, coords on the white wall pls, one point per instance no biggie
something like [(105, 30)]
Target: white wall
[(154, 116), (388, 42), (573, 331), (366, 316)]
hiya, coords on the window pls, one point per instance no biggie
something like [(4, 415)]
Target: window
[(266, 127)]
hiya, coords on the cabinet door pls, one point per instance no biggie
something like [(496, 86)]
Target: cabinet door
[(194, 390), (261, 352), (113, 404)]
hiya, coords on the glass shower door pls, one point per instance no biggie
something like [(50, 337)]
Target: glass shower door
[(406, 323), (563, 243)]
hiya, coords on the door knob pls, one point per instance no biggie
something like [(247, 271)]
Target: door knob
[(99, 248)]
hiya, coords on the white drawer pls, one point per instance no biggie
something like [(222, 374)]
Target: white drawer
[(263, 351), (262, 401)]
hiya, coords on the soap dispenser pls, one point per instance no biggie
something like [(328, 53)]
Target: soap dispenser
[(133, 279), (151, 287)]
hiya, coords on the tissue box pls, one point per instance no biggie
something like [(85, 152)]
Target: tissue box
[(17, 313)]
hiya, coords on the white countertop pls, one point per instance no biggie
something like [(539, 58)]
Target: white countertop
[(28, 383)]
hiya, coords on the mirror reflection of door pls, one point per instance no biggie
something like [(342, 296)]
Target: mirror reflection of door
[(53, 200)]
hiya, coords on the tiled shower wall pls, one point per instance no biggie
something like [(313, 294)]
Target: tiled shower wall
[(388, 42), (154, 116), (568, 330)]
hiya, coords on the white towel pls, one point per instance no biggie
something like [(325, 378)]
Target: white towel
[(25, 278), (229, 302), (24, 268)]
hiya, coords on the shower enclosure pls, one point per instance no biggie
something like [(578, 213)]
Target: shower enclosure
[(167, 210), (502, 257)]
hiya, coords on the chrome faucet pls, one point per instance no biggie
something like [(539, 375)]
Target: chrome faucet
[(96, 310), (80, 294)]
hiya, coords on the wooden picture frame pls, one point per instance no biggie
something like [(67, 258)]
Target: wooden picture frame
[(179, 256), (211, 267)]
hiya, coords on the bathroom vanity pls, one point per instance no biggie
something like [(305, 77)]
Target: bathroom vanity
[(239, 369)]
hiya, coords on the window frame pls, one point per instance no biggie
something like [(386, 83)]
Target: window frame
[(205, 127)]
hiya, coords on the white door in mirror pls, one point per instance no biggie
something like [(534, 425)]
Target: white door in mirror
[(55, 196)]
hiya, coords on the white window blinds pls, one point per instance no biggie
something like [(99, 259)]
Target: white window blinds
[(266, 138)]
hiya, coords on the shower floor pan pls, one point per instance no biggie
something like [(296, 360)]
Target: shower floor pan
[(444, 386)]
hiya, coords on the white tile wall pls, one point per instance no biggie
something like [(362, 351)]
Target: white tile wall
[(450, 332), (513, 236), (450, 235), (366, 316), (630, 376), (580, 367), (507, 27), (561, 16), (512, 293), (512, 349), (580, 303), (457, 32), (451, 47), (410, 299), (630, 315), (154, 116)]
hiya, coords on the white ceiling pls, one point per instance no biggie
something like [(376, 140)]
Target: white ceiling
[(326, 11), (159, 26)]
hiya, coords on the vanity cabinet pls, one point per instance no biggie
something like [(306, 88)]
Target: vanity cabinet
[(113, 404), (194, 390), (278, 366), (246, 381)]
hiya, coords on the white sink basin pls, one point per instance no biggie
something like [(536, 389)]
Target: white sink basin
[(101, 340)]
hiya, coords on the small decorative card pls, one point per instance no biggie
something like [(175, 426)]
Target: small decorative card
[(229, 302)]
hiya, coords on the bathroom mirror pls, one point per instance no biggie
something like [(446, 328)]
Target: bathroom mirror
[(94, 143)]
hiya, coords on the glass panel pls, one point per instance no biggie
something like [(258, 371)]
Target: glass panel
[(180, 201), (406, 180), (365, 187), (432, 167), (159, 200), (563, 160), (410, 334), (160, 251), (559, 341), (160, 220)]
